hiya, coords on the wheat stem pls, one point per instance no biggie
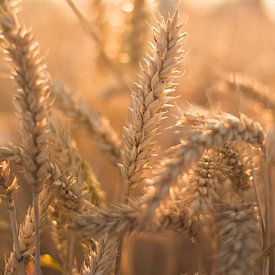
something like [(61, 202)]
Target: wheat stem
[(14, 228), (36, 230), (268, 200)]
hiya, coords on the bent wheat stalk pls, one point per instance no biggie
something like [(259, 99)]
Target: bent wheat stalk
[(212, 134), (123, 218)]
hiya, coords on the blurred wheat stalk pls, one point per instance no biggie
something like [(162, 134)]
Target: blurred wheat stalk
[(205, 176)]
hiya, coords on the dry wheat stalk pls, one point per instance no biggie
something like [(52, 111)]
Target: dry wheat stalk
[(149, 99), (122, 218), (97, 125), (207, 180), (70, 191), (8, 188), (213, 133), (33, 102), (238, 236), (27, 227), (72, 168), (101, 262)]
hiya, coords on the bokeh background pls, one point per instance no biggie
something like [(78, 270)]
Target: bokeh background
[(225, 37)]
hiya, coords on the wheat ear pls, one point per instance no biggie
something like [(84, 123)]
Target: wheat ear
[(238, 237), (149, 99), (212, 134), (200, 188), (152, 94), (33, 102), (123, 218), (101, 262)]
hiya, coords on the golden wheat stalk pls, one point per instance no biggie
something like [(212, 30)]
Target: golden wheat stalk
[(27, 227), (33, 102), (97, 125), (213, 133), (70, 191), (149, 99), (123, 218)]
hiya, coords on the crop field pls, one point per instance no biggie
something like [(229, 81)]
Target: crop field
[(137, 137)]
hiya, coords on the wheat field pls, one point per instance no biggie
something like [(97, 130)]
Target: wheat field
[(137, 137)]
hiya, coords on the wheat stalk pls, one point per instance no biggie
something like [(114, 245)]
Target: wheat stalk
[(149, 99), (213, 133), (122, 218), (33, 102)]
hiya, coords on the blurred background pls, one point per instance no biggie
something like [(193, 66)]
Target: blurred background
[(225, 37)]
